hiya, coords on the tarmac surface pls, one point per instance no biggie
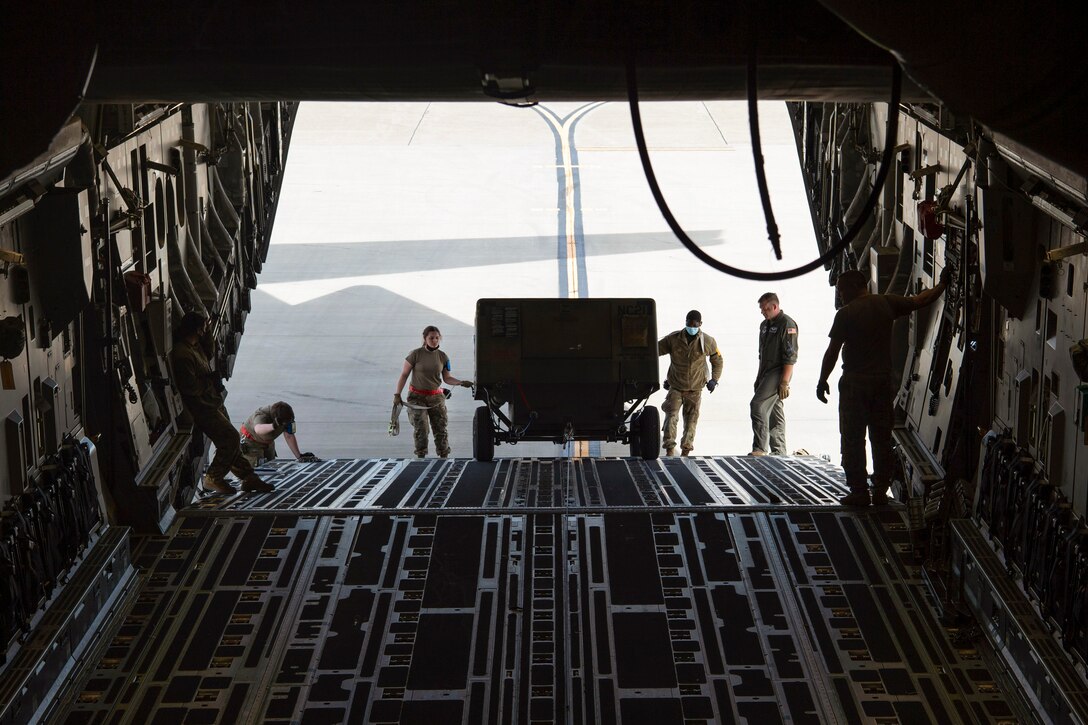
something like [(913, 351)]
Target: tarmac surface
[(396, 216)]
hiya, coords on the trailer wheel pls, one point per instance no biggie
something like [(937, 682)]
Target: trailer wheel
[(483, 436), (649, 433)]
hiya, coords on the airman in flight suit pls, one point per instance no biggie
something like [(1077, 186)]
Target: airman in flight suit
[(777, 356)]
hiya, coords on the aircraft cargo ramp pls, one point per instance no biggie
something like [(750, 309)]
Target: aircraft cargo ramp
[(718, 589)]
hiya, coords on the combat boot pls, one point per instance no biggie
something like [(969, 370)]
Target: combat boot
[(254, 484), (214, 484), (858, 497), (880, 497), (670, 451), (685, 451)]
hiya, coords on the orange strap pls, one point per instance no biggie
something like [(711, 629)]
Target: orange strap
[(417, 391)]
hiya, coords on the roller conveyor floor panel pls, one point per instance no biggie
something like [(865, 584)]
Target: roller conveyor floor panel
[(724, 589)]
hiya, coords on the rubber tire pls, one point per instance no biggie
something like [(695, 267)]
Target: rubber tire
[(483, 436), (649, 433), (633, 438)]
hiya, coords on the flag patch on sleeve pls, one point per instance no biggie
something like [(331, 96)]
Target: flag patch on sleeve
[(791, 330)]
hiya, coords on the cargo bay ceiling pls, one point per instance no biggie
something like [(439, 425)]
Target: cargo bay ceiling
[(1014, 67)]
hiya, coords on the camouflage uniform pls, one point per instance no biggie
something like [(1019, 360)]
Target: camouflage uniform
[(257, 448), (777, 347), (428, 367), (198, 385), (436, 416), (867, 387), (687, 377)]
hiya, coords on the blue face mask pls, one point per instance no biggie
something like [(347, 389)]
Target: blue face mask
[(692, 330)]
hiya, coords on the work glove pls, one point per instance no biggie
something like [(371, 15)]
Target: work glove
[(665, 385), (216, 380), (711, 384), (466, 383), (946, 276), (822, 389), (308, 457), (783, 390), (397, 399)]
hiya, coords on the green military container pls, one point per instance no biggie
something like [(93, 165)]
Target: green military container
[(565, 370)]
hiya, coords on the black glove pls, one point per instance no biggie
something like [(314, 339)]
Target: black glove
[(665, 385), (946, 276), (466, 383), (711, 384), (216, 380), (308, 457), (822, 389)]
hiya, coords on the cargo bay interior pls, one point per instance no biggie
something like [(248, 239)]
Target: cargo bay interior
[(140, 175)]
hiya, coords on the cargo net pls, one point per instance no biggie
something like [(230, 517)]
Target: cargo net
[(1031, 523), (43, 531)]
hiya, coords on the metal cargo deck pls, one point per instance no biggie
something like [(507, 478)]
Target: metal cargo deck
[(723, 589)]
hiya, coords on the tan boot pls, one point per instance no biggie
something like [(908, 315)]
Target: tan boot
[(254, 484), (855, 498), (685, 452), (757, 452), (214, 484), (670, 451)]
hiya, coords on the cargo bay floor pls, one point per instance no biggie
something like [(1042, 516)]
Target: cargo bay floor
[(718, 589)]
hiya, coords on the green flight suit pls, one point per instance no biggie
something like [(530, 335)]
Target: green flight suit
[(777, 347)]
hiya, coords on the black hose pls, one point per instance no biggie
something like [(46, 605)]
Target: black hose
[(835, 249), (757, 145)]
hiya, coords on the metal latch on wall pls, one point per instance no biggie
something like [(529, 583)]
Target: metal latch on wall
[(1083, 410)]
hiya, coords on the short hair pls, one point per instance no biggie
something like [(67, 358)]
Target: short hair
[(282, 412), (190, 324), (694, 316), (852, 279), (429, 329), (768, 297)]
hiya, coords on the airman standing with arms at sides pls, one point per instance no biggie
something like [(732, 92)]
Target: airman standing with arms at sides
[(201, 392), (777, 356), (260, 431), (428, 367), (688, 350), (863, 331)]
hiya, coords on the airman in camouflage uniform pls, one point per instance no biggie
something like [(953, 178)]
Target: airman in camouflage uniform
[(428, 367), (202, 396), (260, 431), (688, 350), (863, 331)]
